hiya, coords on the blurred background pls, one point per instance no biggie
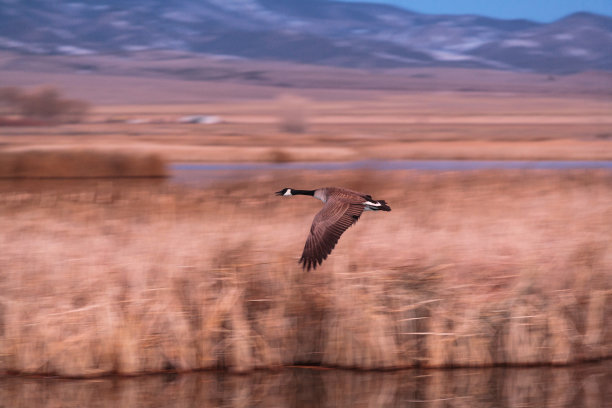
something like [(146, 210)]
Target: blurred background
[(141, 143)]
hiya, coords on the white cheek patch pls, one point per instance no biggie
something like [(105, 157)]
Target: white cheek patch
[(319, 195), (371, 203), (287, 193)]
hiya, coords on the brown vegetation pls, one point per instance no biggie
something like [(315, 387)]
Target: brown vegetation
[(45, 104), (78, 163), (469, 269), (292, 113), (355, 126)]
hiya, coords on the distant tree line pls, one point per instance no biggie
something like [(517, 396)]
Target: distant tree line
[(46, 104)]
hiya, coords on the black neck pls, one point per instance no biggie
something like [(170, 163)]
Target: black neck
[(303, 192)]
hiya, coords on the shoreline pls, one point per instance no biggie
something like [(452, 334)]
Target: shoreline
[(281, 369)]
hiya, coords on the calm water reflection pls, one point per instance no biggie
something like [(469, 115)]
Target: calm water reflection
[(579, 386)]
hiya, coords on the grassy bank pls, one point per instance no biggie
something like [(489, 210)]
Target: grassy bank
[(469, 269), (78, 163)]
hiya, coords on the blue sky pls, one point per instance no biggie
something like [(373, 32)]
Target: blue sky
[(538, 10)]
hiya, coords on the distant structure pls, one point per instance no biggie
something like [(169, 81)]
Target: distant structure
[(201, 119), (137, 121)]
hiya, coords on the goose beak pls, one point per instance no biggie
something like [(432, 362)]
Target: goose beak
[(279, 193)]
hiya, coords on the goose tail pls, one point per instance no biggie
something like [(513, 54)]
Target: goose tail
[(374, 205), (383, 206)]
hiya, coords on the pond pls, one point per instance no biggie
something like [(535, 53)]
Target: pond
[(197, 173), (436, 165), (582, 386)]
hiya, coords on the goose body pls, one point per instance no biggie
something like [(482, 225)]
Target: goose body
[(342, 208)]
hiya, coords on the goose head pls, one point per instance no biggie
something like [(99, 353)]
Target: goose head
[(284, 192)]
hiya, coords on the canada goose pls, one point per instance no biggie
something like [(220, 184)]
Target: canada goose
[(342, 209)]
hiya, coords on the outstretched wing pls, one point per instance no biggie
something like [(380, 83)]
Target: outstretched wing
[(328, 225)]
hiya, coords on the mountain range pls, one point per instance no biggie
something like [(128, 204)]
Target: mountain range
[(320, 32)]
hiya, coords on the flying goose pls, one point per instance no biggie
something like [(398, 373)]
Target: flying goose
[(342, 209)]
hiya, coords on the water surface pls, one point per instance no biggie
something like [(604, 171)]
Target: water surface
[(434, 165), (196, 173), (583, 386)]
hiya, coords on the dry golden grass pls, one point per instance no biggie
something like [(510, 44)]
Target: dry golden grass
[(61, 162), (354, 125), (469, 269)]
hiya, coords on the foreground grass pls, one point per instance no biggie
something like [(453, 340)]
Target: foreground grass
[(469, 269)]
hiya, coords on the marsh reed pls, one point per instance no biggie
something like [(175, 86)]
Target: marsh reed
[(58, 162), (470, 269)]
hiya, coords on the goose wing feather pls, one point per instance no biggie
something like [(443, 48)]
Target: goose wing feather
[(328, 225)]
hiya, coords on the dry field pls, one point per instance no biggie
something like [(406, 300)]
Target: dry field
[(325, 114), (469, 269), (380, 126)]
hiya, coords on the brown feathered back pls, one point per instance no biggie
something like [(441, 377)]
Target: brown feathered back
[(341, 210)]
